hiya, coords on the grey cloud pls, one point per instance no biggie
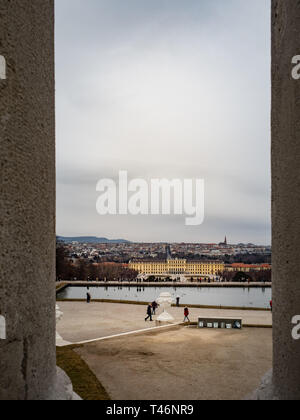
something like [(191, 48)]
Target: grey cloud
[(164, 88)]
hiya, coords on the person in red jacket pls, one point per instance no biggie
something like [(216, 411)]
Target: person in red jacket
[(186, 315), (271, 305)]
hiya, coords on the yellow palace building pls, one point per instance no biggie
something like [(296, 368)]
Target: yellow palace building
[(171, 267)]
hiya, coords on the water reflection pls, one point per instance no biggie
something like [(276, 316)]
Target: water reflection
[(238, 296)]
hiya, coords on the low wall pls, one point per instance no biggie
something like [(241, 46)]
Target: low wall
[(160, 284)]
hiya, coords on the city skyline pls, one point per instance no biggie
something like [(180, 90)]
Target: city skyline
[(124, 240)]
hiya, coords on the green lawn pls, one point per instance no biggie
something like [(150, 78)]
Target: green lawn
[(85, 383)]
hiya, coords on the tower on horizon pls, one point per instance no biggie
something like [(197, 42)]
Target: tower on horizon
[(168, 252), (225, 243)]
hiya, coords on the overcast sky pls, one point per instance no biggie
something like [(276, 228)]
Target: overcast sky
[(164, 88)]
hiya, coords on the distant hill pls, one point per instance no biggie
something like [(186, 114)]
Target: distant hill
[(91, 240)]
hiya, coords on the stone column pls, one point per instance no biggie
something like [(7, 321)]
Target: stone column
[(286, 195), (27, 202)]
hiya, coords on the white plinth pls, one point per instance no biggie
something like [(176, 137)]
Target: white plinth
[(60, 342), (165, 317), (63, 389), (165, 300)]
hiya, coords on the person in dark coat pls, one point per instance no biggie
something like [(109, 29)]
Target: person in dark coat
[(154, 307), (88, 298), (149, 313)]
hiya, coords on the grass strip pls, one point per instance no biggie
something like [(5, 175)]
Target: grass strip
[(85, 382)]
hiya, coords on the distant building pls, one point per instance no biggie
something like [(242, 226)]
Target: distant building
[(225, 243), (168, 252), (178, 267), (246, 268)]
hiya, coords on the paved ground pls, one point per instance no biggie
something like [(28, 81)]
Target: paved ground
[(182, 364), (83, 322)]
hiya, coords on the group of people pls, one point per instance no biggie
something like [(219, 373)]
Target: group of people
[(152, 308)]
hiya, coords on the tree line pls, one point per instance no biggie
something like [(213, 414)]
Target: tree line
[(83, 269), (264, 276)]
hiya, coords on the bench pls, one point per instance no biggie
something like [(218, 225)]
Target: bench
[(220, 323)]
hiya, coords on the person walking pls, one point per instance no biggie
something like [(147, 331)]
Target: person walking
[(271, 305), (154, 307), (88, 298), (186, 315), (149, 313), (178, 301)]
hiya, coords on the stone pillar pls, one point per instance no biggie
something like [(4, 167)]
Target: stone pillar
[(27, 202), (286, 194)]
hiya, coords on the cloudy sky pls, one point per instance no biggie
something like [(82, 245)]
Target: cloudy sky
[(164, 89)]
